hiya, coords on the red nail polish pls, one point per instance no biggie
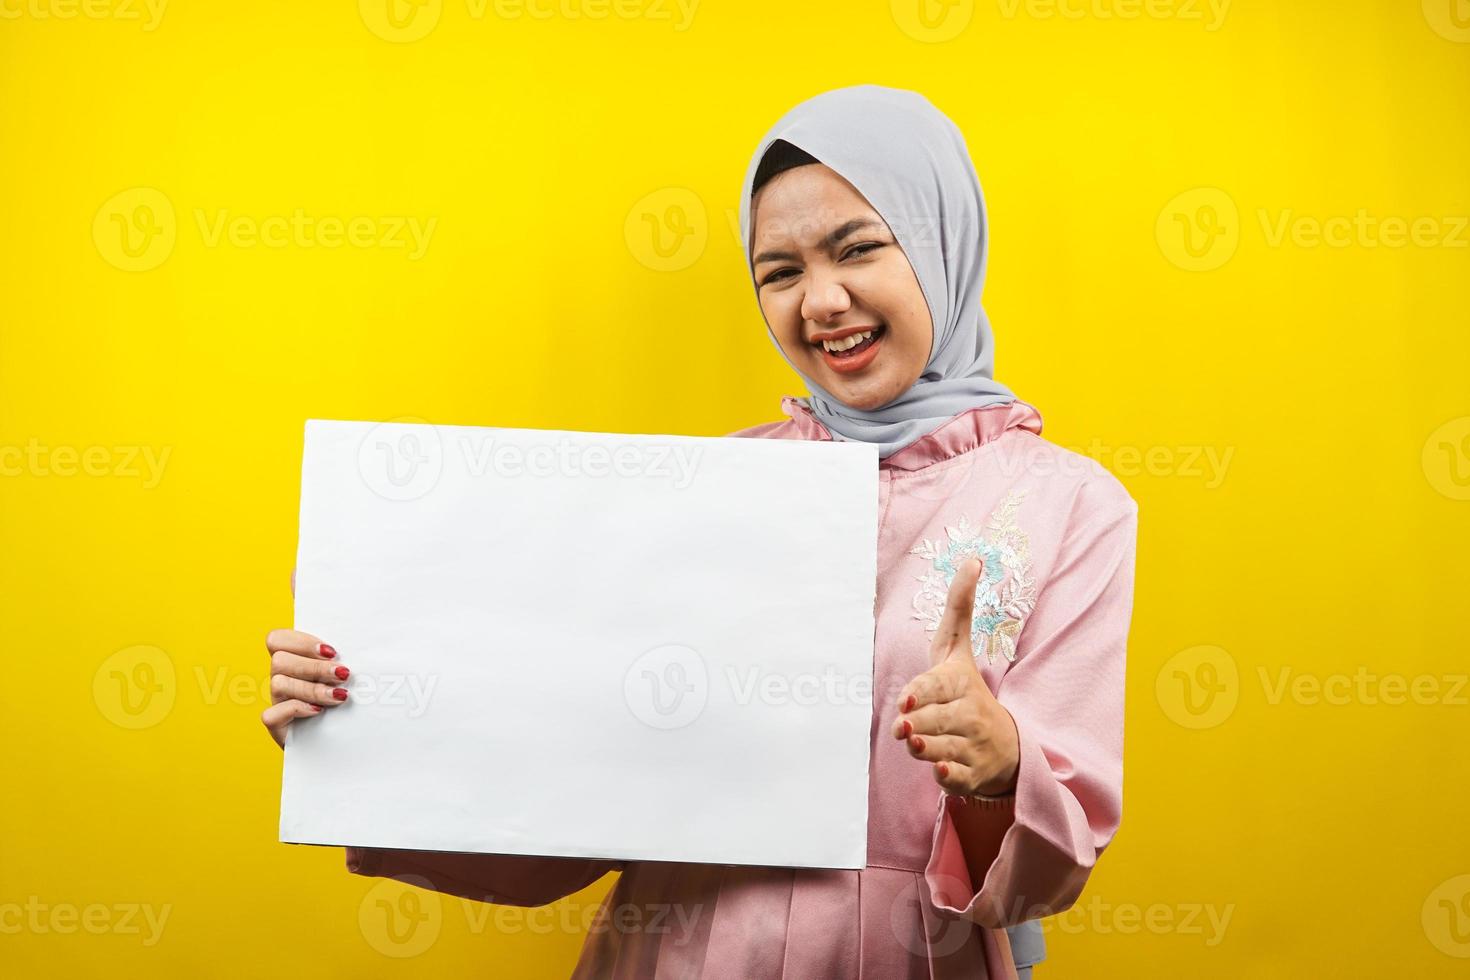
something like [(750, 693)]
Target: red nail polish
[(340, 693), (316, 707), (943, 771), (918, 742), (909, 704), (342, 673), (326, 650), (907, 728)]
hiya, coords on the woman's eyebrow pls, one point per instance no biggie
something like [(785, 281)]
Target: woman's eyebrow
[(842, 231), (856, 224)]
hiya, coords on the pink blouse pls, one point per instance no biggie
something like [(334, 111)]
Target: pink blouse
[(1056, 536)]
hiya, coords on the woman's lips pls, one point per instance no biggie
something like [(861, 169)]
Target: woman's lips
[(858, 357)]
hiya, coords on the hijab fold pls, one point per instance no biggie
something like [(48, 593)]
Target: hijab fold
[(911, 163)]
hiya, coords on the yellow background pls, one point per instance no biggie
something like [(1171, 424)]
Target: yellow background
[(1326, 831)]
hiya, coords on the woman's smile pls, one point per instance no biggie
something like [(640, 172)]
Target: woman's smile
[(850, 349)]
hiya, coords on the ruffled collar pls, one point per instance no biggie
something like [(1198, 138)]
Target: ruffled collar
[(966, 431)]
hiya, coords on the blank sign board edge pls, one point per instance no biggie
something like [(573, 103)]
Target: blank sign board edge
[(437, 560)]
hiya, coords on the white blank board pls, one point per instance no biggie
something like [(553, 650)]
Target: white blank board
[(635, 647)]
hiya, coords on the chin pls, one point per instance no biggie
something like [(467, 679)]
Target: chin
[(864, 398)]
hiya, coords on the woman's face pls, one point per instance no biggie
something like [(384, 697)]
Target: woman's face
[(829, 274)]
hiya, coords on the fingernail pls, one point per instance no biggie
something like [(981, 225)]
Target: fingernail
[(342, 673), (943, 771), (316, 707), (325, 649), (907, 728), (340, 693), (909, 704), (918, 743)]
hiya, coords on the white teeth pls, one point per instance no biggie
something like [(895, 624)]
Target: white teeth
[(846, 342)]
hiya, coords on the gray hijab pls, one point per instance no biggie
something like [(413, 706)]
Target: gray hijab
[(911, 163)]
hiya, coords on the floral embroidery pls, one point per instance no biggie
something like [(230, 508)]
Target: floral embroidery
[(1006, 592)]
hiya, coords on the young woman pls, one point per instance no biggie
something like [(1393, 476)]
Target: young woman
[(1004, 593)]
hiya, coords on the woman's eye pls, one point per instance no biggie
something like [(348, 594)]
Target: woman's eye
[(857, 251)]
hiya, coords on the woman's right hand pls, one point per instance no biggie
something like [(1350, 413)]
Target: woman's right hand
[(304, 678)]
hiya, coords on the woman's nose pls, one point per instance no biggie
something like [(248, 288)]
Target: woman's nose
[(825, 298)]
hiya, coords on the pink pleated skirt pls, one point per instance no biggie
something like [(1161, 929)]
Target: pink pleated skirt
[(721, 922)]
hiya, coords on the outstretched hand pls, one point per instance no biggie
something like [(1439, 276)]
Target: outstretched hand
[(947, 714)]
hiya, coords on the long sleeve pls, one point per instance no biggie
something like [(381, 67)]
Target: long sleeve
[(1037, 846), (502, 879)]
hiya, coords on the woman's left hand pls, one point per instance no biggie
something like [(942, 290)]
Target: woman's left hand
[(948, 715)]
